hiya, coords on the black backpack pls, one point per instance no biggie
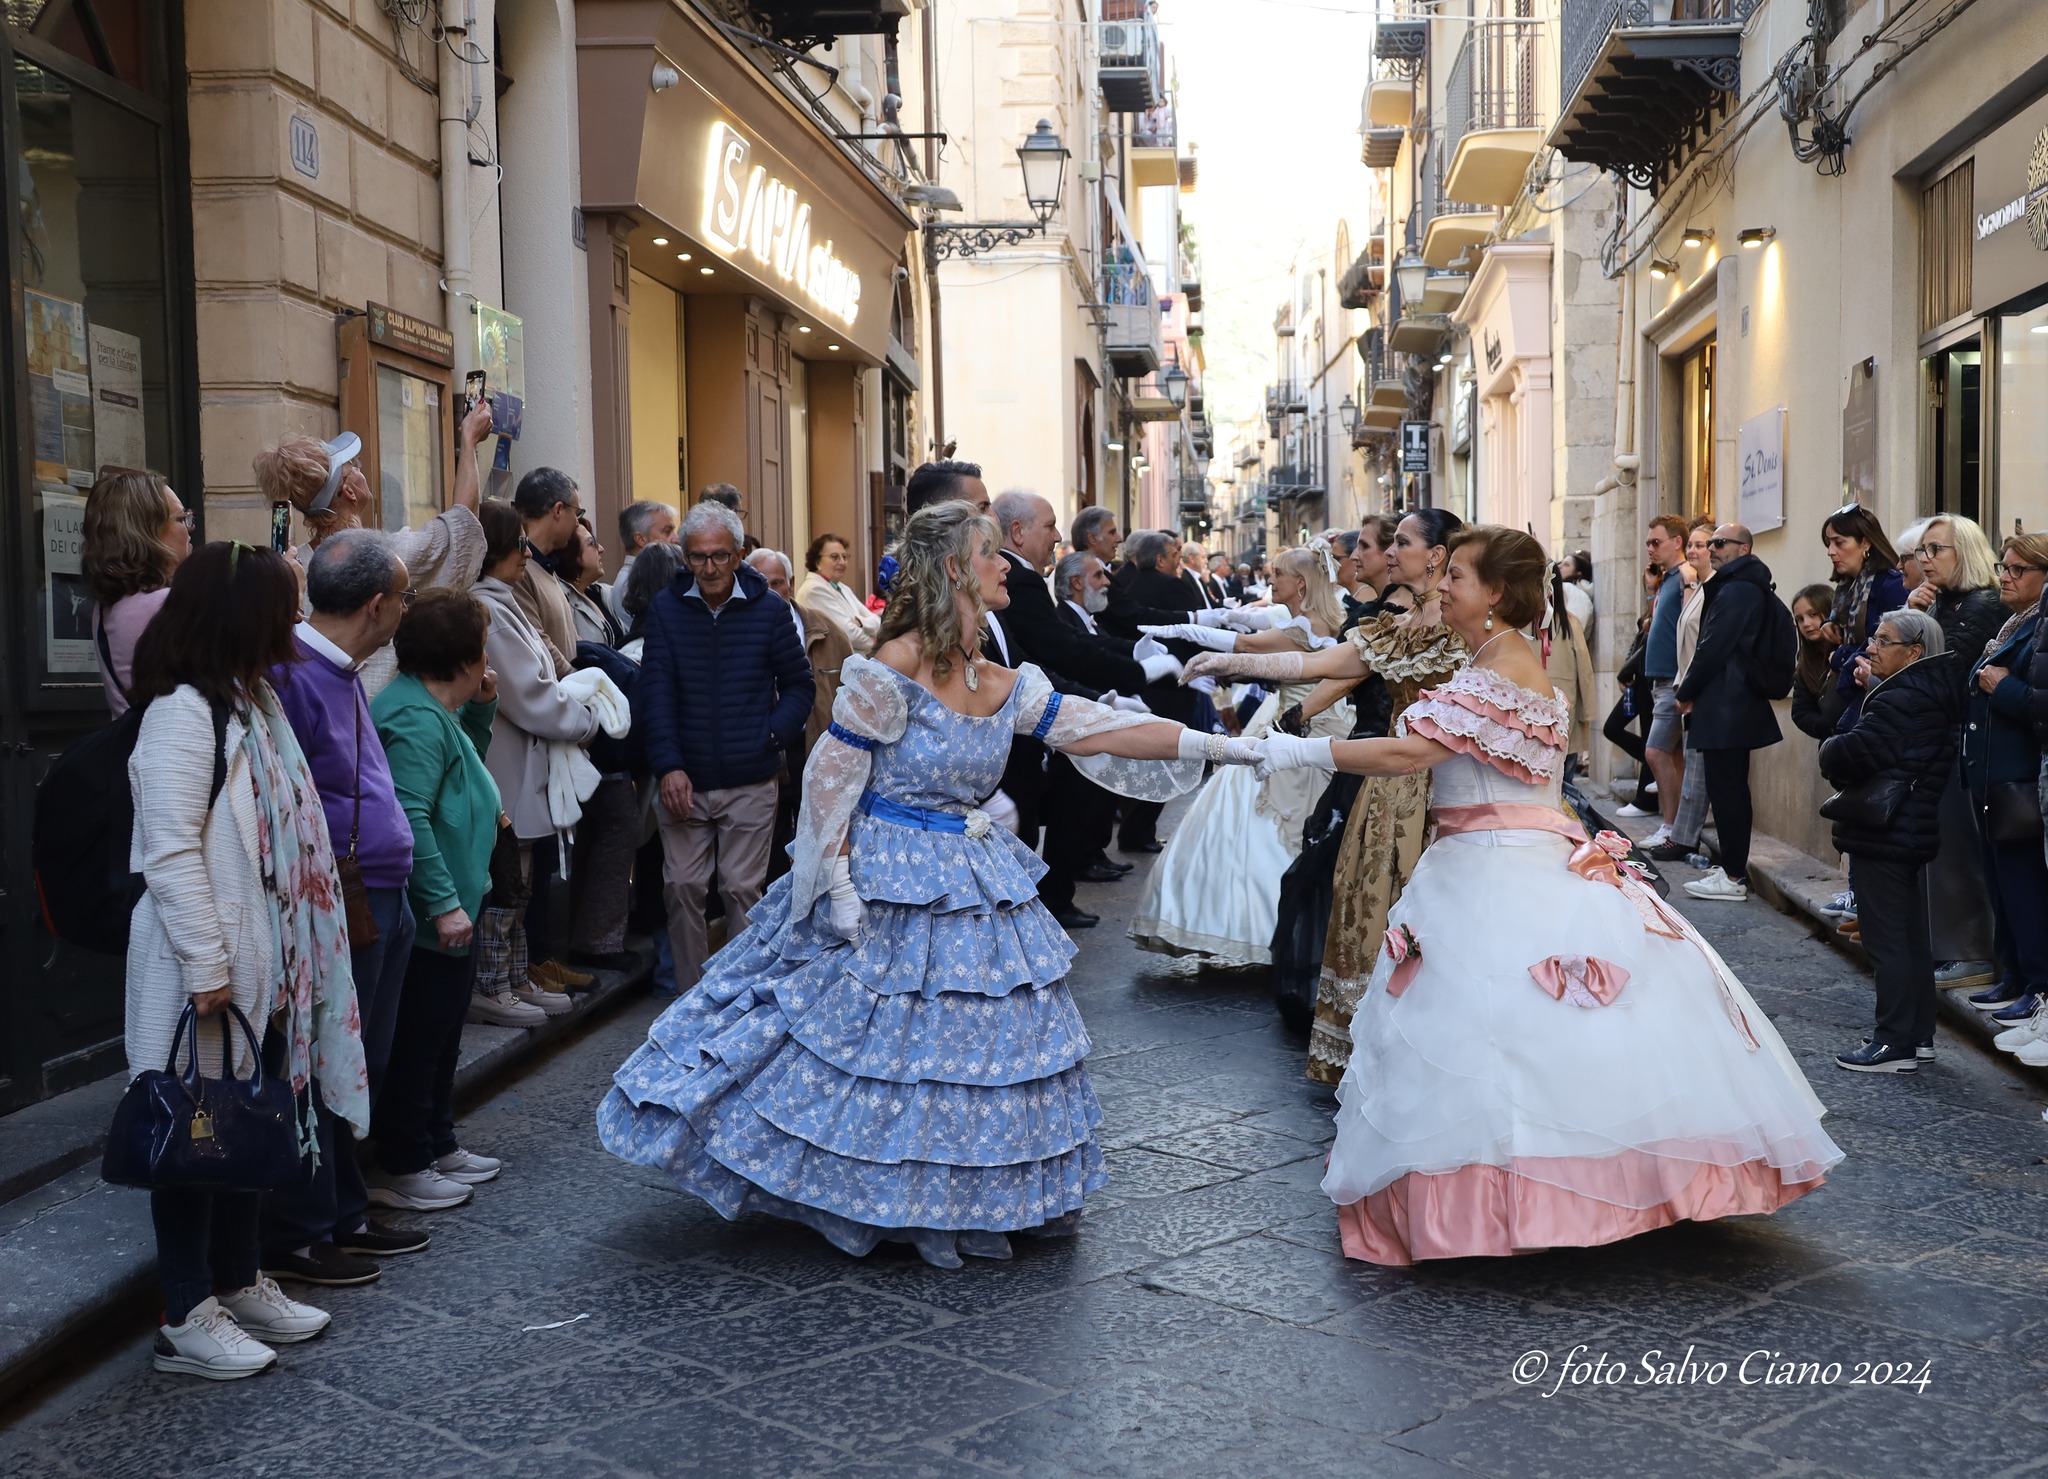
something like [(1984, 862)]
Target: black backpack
[(84, 822), (1775, 661)]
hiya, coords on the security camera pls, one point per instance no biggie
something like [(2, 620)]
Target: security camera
[(901, 274)]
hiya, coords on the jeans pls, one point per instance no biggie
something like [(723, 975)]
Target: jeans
[(1891, 908), (413, 1120), (2019, 883), (1728, 793), (205, 1240)]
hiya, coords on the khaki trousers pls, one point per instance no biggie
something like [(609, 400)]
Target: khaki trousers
[(728, 832)]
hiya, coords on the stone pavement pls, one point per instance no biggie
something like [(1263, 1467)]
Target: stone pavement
[(1202, 1324)]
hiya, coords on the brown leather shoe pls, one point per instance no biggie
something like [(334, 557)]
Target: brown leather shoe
[(557, 975)]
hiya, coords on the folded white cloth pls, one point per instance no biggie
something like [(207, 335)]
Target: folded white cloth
[(571, 776), (592, 688)]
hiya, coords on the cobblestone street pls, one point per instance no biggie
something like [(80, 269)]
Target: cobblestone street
[(1202, 1323)]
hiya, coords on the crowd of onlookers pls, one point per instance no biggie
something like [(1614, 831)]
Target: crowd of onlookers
[(1915, 669)]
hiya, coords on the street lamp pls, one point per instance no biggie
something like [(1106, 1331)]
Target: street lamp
[(1411, 273), (1044, 161), (1350, 413), (1175, 383)]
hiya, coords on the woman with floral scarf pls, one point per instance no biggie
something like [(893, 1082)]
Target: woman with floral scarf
[(241, 906)]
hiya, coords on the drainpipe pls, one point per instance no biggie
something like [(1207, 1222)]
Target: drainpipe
[(461, 101)]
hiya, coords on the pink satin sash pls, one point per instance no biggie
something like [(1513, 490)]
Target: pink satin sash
[(1598, 860)]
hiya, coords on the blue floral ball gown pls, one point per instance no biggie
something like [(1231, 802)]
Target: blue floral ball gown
[(922, 1082)]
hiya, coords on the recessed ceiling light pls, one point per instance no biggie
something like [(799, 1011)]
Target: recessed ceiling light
[(803, 328), (706, 271), (682, 256), (831, 346), (1115, 446), (661, 241)]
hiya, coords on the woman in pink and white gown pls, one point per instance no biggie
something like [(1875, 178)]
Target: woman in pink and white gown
[(1547, 1055)]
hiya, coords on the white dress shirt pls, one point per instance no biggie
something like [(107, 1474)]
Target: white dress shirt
[(1086, 620)]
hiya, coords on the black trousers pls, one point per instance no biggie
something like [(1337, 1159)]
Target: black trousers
[(413, 1120), (1077, 815), (2018, 875), (1891, 908), (205, 1240), (1620, 731), (1734, 818)]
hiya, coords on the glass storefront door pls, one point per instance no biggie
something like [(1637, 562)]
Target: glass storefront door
[(1955, 401), (2022, 422)]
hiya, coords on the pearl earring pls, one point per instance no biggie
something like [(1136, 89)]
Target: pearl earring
[(1489, 618)]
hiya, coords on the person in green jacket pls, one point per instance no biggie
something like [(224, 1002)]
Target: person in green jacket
[(435, 721)]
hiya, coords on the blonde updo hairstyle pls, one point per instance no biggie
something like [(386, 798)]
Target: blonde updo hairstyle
[(1511, 560), (1319, 599), (294, 471), (935, 564), (123, 550)]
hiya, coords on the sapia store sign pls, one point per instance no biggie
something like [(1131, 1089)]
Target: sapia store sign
[(748, 210)]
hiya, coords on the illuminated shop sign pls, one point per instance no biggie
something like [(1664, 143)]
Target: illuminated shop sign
[(748, 210)]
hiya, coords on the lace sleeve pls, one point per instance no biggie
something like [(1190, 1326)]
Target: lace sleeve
[(1060, 719), (1518, 732), (868, 711)]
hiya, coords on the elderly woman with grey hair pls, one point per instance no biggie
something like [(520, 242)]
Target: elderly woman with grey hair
[(1890, 769)]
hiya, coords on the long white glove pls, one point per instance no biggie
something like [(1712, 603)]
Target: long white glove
[(1215, 616), (1279, 752), (1116, 700), (1217, 749), (1161, 665), (1002, 811), (1201, 636), (847, 914), (1255, 618)]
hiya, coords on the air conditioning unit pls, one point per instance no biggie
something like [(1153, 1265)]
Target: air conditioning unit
[(1128, 69), (1123, 40)]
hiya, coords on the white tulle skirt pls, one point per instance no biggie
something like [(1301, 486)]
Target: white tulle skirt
[(1481, 1115)]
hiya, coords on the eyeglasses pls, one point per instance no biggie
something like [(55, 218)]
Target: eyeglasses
[(2007, 571), (716, 557), (407, 596), (527, 547), (1929, 547), (1724, 543), (184, 518), (1883, 641)]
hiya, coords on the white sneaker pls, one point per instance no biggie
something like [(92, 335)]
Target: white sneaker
[(1718, 887), (1656, 839), (212, 1345), (505, 1010), (552, 1003), (1650, 789), (1630, 810), (417, 1191), (2035, 1053), (268, 1313), (468, 1168), (2020, 1034)]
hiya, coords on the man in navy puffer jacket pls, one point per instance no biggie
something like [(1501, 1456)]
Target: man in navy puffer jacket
[(724, 691)]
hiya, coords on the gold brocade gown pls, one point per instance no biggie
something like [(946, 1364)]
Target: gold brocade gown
[(1383, 838)]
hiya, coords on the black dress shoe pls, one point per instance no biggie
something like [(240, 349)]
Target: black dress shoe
[(1104, 860), (325, 1264), (1076, 919), (1098, 873), (1140, 847)]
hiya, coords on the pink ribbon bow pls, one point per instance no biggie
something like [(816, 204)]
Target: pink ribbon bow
[(1405, 951), (1582, 980)]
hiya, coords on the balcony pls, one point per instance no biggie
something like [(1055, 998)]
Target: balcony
[(1380, 148), (1389, 103), (1133, 337), (808, 23), (1365, 278), (1154, 147), (1456, 229), (1129, 68), (1642, 79), (1493, 117)]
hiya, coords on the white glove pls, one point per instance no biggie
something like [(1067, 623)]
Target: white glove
[(1201, 636), (1255, 618), (1160, 665), (1279, 752), (1002, 811), (1217, 749), (1203, 684), (847, 914), (1131, 705), (1213, 617)]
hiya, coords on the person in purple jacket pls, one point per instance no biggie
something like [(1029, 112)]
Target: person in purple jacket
[(318, 1231)]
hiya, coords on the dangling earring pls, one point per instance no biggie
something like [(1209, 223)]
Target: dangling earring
[(1489, 618)]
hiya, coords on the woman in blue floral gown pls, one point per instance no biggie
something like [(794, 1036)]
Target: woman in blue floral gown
[(889, 1050)]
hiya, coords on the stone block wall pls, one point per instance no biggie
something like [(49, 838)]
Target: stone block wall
[(315, 165)]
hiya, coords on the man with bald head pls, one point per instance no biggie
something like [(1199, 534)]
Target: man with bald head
[(1726, 711)]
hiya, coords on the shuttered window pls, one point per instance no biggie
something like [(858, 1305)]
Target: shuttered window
[(1945, 245)]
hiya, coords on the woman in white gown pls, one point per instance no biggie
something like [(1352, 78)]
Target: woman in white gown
[(1547, 1054), (1216, 890)]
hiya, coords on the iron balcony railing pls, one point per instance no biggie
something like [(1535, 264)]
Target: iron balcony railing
[(1584, 26), (1493, 79)]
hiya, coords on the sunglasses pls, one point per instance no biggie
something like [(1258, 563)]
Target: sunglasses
[(1724, 543), (1846, 510)]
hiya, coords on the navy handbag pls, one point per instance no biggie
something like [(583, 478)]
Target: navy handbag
[(175, 1129)]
